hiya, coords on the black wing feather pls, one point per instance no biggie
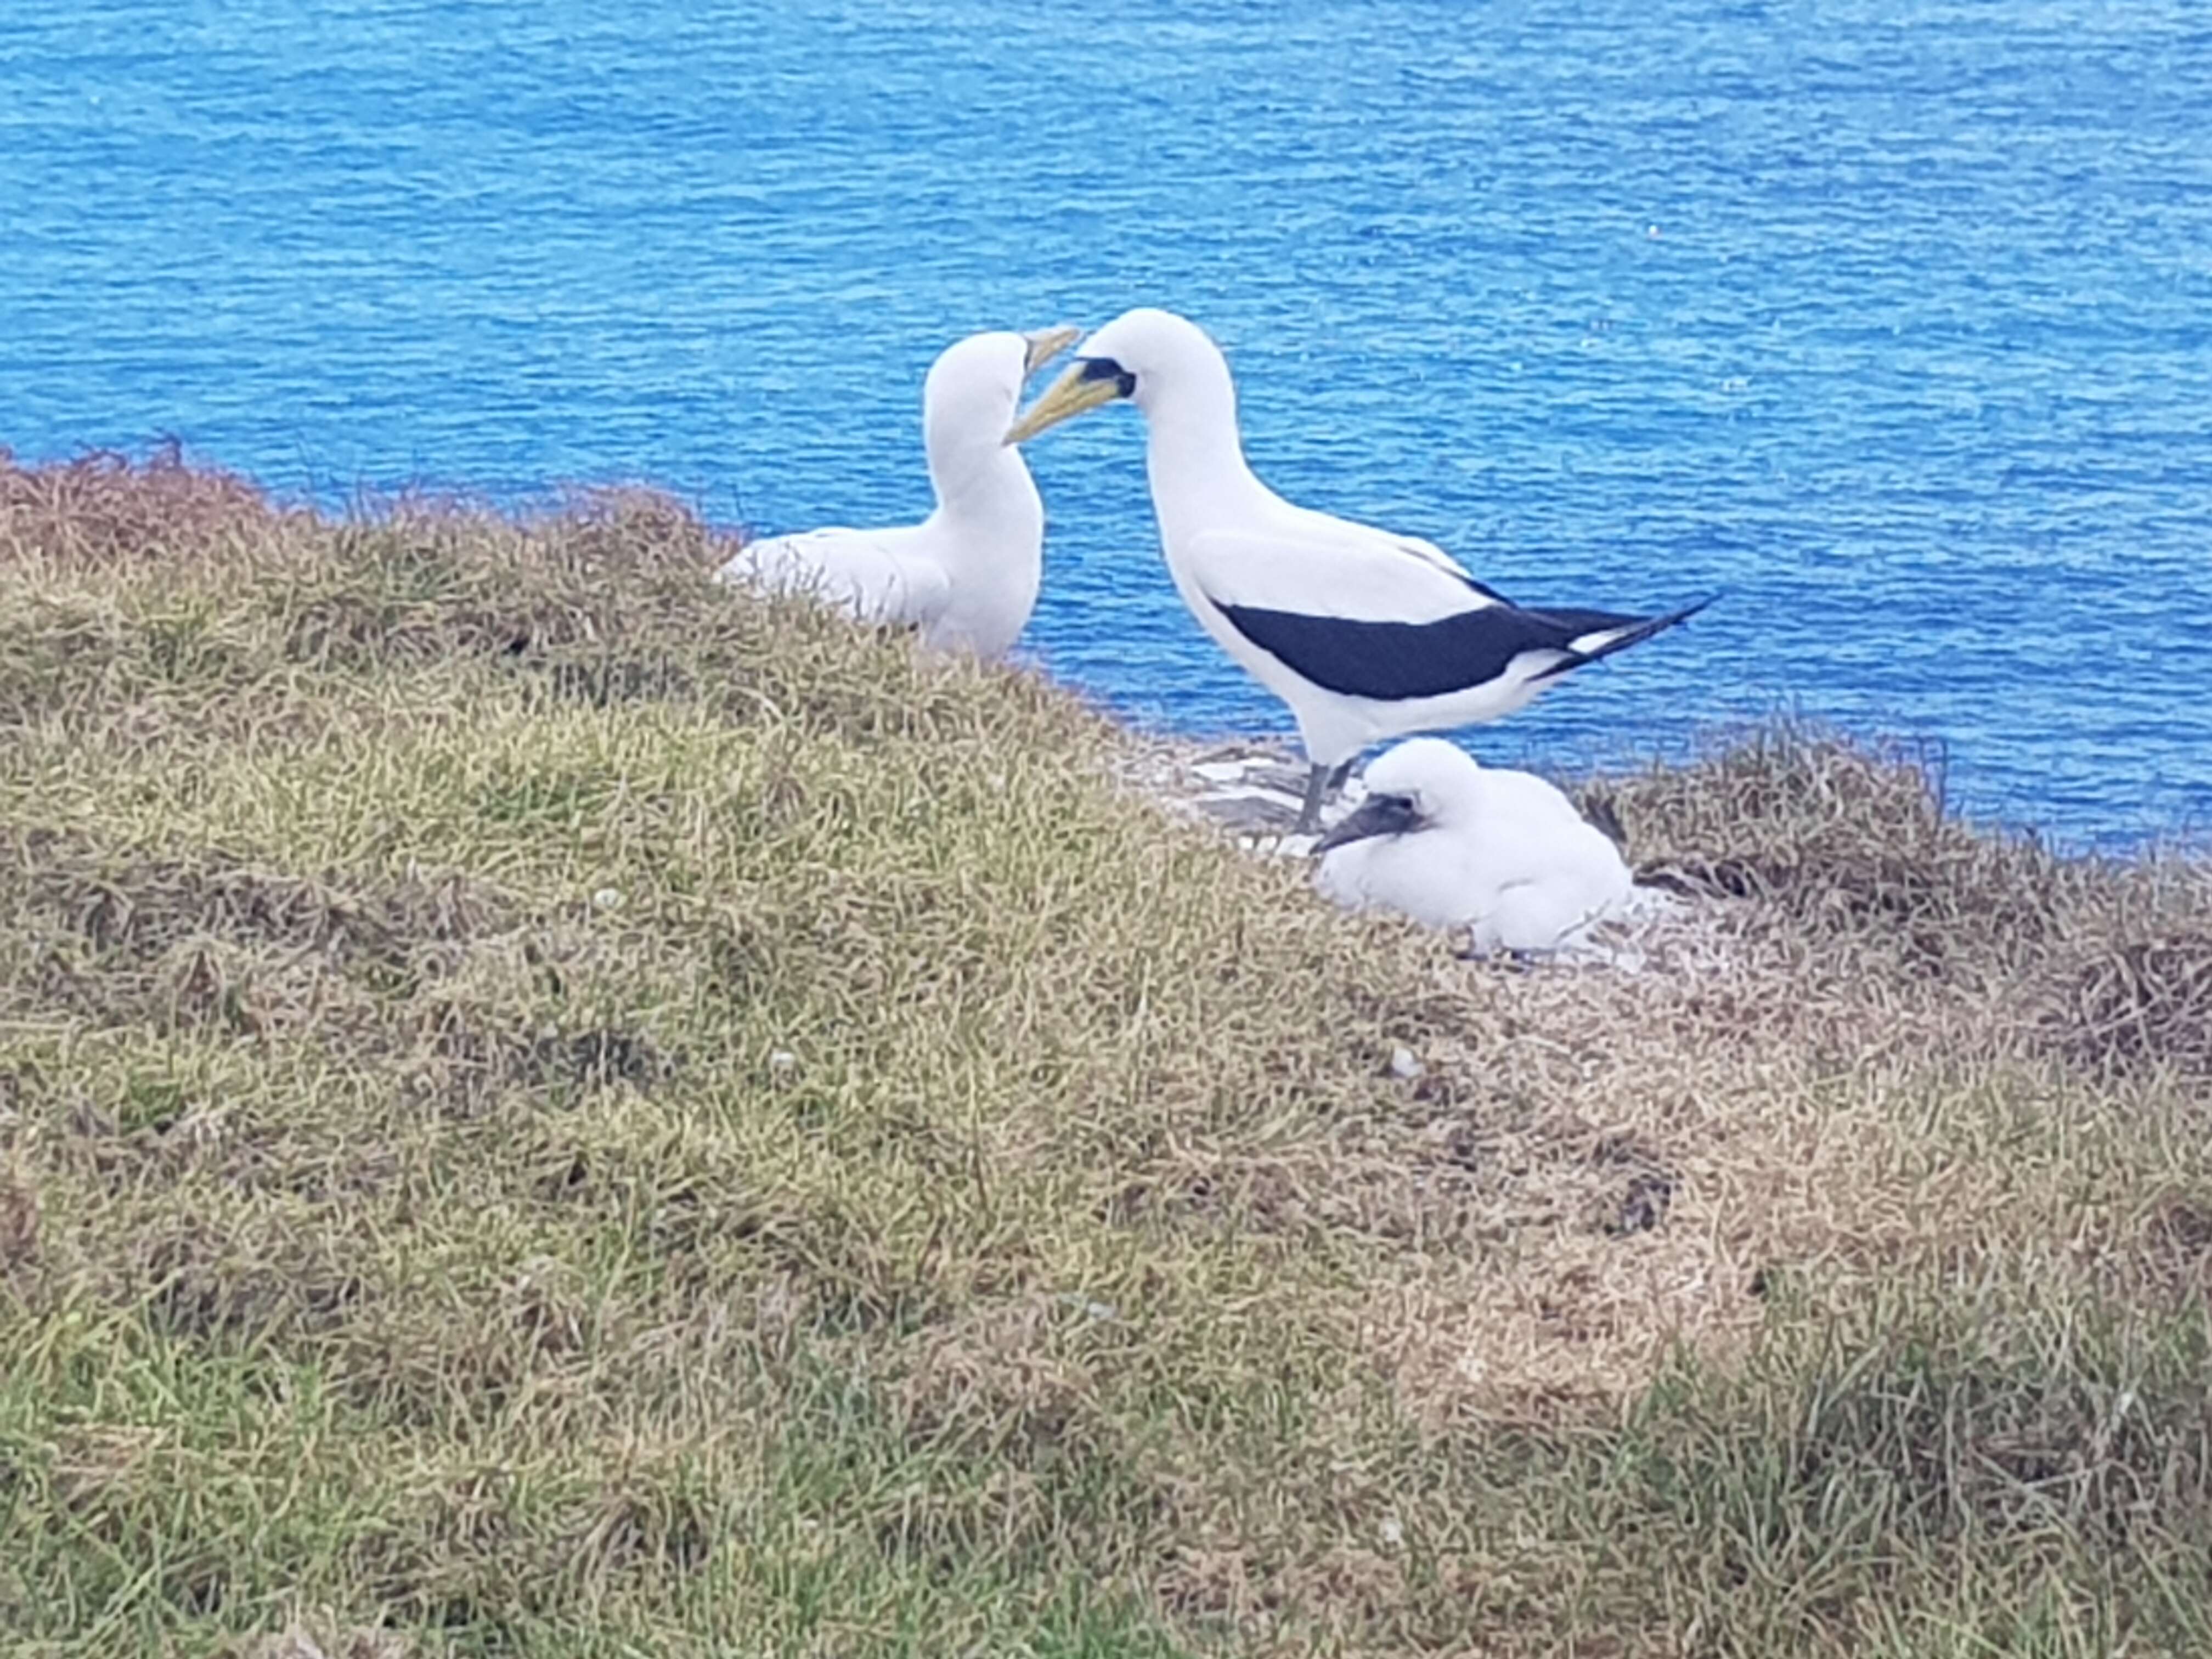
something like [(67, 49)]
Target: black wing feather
[(1395, 661), (1587, 621)]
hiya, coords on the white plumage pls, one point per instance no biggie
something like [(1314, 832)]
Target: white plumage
[(1455, 844), (967, 576), (1364, 634)]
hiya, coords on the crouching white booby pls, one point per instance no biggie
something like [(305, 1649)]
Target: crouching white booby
[(1454, 844), (1366, 634), (967, 576)]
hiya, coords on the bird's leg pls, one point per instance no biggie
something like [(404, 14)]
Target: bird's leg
[(1309, 814), (1320, 786)]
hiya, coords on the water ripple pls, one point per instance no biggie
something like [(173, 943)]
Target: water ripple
[(1894, 321)]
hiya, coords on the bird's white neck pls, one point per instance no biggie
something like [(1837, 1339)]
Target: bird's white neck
[(989, 506), (979, 480), (1193, 453)]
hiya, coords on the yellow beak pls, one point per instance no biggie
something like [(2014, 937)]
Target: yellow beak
[(1045, 345), (1069, 396)]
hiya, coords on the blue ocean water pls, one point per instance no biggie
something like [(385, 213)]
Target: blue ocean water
[(1893, 320)]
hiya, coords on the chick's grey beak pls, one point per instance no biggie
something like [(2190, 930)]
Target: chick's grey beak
[(1378, 815)]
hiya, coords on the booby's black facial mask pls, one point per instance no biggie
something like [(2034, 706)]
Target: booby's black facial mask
[(1105, 368)]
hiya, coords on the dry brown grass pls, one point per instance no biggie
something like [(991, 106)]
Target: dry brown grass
[(2143, 1003), (547, 1108)]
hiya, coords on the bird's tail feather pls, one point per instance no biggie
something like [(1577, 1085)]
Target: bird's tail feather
[(1620, 633)]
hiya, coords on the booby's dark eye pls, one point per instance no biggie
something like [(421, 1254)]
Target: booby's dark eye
[(1105, 368)]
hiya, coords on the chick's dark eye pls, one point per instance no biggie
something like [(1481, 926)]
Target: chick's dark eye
[(1105, 368), (1388, 815)]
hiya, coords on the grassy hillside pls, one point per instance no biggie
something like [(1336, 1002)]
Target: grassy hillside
[(548, 1109)]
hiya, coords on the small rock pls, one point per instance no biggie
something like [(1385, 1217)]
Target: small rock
[(1289, 781), (1245, 810), (1403, 1065)]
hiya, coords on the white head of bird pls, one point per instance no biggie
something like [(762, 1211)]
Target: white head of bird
[(1425, 783), (970, 393), (1164, 364)]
